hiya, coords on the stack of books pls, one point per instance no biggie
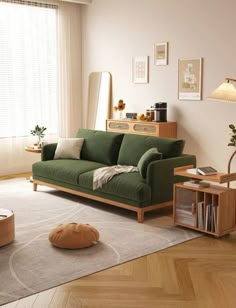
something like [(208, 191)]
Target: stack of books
[(202, 171), (206, 170), (197, 183)]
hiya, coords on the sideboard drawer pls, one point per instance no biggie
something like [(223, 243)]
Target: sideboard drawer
[(118, 126), (147, 128)]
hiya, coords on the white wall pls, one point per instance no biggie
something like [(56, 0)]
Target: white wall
[(115, 31)]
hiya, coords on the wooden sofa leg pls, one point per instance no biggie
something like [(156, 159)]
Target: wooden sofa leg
[(34, 187), (140, 215)]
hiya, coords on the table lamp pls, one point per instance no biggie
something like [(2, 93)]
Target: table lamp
[(226, 92)]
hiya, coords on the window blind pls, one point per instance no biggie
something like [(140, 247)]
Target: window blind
[(28, 67)]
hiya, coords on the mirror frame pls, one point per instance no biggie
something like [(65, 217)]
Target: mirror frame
[(99, 100)]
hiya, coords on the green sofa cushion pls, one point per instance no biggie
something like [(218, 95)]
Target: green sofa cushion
[(99, 146), (130, 186), (134, 146), (64, 170), (149, 156)]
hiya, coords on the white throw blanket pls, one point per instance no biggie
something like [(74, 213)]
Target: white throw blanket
[(103, 175)]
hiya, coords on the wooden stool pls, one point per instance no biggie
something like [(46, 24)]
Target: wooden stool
[(7, 227)]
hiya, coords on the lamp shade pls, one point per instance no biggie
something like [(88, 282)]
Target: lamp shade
[(225, 92)]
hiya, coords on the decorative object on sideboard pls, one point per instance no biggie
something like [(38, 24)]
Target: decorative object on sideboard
[(161, 53), (131, 115), (190, 79), (150, 114), (158, 112), (39, 132), (143, 117), (140, 69), (226, 92), (120, 107)]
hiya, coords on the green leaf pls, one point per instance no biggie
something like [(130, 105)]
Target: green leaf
[(38, 131)]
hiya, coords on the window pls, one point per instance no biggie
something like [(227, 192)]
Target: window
[(28, 68)]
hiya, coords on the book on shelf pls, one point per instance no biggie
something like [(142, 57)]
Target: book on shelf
[(207, 170), (214, 218), (200, 214), (211, 218), (192, 171), (196, 183), (208, 217)]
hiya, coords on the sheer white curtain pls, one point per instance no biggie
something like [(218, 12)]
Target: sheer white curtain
[(13, 157), (28, 87), (70, 81)]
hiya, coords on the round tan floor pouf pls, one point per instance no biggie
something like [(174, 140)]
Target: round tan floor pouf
[(73, 236), (7, 227)]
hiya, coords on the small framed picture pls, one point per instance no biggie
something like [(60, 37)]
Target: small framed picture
[(140, 69), (190, 79), (161, 53)]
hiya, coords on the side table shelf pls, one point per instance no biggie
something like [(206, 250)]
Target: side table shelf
[(211, 209)]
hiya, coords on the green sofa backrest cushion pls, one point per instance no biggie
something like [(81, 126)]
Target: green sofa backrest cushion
[(134, 146), (99, 146)]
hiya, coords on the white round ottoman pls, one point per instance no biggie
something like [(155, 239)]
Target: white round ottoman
[(7, 226)]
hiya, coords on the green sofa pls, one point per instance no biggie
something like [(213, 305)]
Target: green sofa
[(127, 190)]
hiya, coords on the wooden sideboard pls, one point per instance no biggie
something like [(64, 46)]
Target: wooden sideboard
[(160, 129)]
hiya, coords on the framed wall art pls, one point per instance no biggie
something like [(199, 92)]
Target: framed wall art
[(140, 69), (190, 79), (161, 53)]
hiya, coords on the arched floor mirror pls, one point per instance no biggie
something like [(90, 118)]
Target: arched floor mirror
[(99, 100)]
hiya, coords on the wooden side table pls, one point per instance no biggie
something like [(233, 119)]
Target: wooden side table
[(32, 149), (211, 210), (7, 227)]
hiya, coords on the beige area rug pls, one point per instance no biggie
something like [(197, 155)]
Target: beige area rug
[(30, 264)]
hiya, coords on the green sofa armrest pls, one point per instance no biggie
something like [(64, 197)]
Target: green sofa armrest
[(160, 176), (48, 151)]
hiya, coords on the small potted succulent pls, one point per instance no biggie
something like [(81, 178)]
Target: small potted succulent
[(39, 132)]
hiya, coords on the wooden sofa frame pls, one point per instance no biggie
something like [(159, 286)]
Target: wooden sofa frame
[(140, 211)]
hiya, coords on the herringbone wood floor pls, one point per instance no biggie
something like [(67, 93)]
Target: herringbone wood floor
[(197, 274)]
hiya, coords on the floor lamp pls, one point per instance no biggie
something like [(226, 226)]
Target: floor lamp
[(226, 92)]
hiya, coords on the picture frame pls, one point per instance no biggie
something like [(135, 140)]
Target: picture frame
[(161, 53), (140, 69), (190, 79)]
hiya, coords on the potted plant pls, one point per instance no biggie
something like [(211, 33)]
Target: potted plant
[(232, 143), (39, 132), (233, 135)]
